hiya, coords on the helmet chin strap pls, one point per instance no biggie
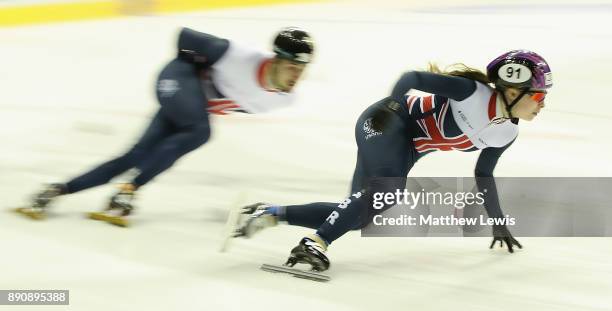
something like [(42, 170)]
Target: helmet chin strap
[(513, 103)]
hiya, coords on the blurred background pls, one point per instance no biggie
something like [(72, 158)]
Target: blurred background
[(77, 87)]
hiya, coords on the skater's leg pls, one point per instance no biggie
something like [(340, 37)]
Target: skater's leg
[(101, 174), (258, 216), (356, 211), (310, 215), (183, 102), (385, 158), (157, 130), (385, 155), (170, 150), (358, 182), (183, 106)]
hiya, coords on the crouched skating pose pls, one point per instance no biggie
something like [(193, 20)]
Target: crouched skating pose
[(467, 110), (210, 75)]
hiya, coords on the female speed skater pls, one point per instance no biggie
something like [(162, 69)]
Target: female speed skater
[(467, 111), (210, 75)]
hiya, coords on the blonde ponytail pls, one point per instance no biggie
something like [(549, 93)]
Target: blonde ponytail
[(460, 70)]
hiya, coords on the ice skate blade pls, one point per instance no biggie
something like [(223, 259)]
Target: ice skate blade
[(230, 227), (26, 211), (113, 220), (233, 220), (309, 275), (97, 216)]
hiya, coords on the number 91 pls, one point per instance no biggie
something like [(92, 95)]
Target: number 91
[(510, 72)]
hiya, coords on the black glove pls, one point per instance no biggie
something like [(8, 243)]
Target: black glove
[(502, 234)]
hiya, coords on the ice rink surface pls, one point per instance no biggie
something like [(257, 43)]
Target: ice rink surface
[(76, 94)]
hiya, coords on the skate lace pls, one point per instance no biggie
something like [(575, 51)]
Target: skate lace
[(315, 245), (123, 200)]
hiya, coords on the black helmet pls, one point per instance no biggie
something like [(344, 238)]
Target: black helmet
[(293, 44)]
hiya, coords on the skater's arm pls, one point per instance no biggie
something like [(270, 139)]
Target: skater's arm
[(484, 179), (457, 88), (201, 48)]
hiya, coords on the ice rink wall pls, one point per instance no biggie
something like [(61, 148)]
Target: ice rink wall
[(25, 12)]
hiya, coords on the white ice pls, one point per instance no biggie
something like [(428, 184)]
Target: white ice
[(73, 95)]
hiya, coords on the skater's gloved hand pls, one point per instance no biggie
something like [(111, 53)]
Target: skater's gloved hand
[(502, 234)]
